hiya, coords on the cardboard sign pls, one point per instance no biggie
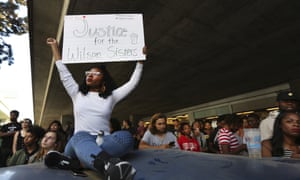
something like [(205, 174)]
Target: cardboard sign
[(103, 38)]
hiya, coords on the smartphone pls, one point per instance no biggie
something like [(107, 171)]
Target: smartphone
[(172, 143), (79, 173)]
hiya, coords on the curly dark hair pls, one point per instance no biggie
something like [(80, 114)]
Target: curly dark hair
[(60, 127), (182, 126), (110, 84), (277, 138), (37, 131)]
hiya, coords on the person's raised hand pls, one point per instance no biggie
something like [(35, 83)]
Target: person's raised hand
[(51, 41), (54, 46), (145, 51)]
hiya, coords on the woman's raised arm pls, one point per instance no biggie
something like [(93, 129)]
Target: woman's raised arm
[(54, 47)]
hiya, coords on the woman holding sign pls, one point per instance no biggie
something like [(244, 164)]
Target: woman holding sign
[(93, 102)]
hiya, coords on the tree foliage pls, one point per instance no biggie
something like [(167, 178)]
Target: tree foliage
[(11, 23)]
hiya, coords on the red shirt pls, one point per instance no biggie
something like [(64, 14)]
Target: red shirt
[(188, 143)]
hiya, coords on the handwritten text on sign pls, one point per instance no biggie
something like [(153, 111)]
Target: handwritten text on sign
[(103, 38)]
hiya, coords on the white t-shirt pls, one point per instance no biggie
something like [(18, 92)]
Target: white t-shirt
[(154, 140)]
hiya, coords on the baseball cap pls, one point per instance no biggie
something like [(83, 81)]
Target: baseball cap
[(287, 95)]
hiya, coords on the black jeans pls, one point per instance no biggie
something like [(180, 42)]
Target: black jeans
[(4, 154)]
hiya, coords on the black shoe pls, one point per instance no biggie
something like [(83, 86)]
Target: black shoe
[(55, 159), (115, 169)]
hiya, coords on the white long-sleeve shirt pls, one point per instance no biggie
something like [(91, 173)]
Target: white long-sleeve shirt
[(92, 113), (266, 126)]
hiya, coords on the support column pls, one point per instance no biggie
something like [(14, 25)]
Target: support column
[(295, 86)]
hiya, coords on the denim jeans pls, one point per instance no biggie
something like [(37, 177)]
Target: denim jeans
[(82, 145)]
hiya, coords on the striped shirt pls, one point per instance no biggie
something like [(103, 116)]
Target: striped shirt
[(227, 137), (287, 153)]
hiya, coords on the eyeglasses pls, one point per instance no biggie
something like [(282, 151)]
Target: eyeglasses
[(88, 73)]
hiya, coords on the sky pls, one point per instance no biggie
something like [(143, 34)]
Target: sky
[(15, 80)]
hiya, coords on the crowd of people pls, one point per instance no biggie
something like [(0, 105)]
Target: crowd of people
[(280, 132), (24, 143)]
